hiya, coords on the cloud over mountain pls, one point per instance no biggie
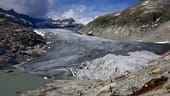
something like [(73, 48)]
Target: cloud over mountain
[(81, 10), (35, 8)]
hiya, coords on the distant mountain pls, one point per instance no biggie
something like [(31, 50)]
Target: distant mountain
[(61, 23), (28, 21), (149, 21)]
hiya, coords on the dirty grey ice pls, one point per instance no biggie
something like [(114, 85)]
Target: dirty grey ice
[(88, 57)]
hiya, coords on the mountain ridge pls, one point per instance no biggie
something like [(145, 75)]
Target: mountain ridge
[(136, 23), (28, 21)]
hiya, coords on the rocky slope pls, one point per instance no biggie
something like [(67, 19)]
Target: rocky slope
[(147, 21), (17, 43), (152, 80)]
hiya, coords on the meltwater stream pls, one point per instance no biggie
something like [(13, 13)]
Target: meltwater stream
[(87, 57)]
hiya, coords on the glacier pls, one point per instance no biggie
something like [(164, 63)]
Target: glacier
[(73, 55)]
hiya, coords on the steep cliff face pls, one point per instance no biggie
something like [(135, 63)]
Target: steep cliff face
[(144, 21)]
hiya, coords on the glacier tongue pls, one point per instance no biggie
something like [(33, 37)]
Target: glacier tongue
[(111, 66), (104, 57)]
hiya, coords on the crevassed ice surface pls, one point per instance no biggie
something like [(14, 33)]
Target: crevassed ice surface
[(69, 50), (111, 66)]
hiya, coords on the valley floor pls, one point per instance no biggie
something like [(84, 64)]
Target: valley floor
[(134, 68), (152, 80)]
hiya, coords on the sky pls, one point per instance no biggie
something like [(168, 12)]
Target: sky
[(81, 10)]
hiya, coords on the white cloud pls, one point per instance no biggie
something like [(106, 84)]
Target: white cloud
[(77, 12), (69, 14), (51, 2), (36, 8), (41, 8), (85, 20)]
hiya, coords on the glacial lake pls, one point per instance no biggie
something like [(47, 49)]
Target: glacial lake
[(17, 81)]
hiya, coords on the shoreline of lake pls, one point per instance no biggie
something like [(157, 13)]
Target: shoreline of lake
[(13, 83)]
